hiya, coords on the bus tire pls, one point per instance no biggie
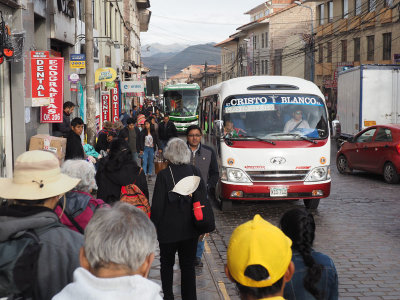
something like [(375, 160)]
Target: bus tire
[(311, 203), (226, 204)]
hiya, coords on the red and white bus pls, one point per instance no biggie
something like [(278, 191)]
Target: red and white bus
[(272, 137)]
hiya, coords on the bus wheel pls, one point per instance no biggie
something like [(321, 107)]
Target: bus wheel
[(226, 204), (311, 203)]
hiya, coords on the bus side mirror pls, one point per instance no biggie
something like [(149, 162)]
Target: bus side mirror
[(218, 128), (336, 129)]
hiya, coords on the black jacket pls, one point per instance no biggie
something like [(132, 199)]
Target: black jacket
[(167, 131), (74, 147), (206, 160), (110, 183), (64, 128), (156, 141), (173, 219), (102, 143)]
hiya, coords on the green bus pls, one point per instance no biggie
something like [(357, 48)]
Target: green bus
[(181, 103)]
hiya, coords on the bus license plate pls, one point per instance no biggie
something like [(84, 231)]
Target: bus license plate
[(279, 191)]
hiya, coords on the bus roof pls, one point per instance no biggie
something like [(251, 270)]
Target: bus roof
[(182, 86), (240, 85)]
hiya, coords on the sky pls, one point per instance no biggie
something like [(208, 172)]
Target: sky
[(195, 22)]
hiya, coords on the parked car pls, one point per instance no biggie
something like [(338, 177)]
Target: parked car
[(375, 149)]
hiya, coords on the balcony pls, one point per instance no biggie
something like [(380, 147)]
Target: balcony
[(385, 15), (319, 31), (328, 29), (369, 19), (318, 69), (354, 23), (326, 69), (144, 19), (341, 25)]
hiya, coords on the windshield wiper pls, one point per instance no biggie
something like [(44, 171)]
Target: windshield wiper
[(257, 138), (303, 137)]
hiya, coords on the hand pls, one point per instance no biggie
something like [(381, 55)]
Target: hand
[(100, 156), (159, 150), (91, 159)]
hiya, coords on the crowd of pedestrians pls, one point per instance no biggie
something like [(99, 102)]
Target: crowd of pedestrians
[(77, 239)]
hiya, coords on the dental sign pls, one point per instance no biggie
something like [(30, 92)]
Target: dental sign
[(105, 106), (40, 74), (251, 103)]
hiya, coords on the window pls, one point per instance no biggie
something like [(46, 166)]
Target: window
[(254, 42), (321, 13), (330, 11), (262, 40), (370, 48), (357, 5), (329, 54), (320, 53), (344, 50), (371, 5), (357, 48), (389, 3), (383, 135), (366, 136), (387, 46), (345, 9), (262, 67), (266, 40)]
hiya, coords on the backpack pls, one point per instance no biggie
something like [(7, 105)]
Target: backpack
[(132, 194), (19, 257)]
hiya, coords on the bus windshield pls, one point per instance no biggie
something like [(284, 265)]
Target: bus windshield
[(181, 102), (275, 117)]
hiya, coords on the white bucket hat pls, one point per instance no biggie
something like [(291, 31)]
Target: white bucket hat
[(37, 176), (187, 185)]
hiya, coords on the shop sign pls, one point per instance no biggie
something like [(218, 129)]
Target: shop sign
[(53, 113), (132, 87), (115, 104), (77, 61), (40, 83), (105, 74), (105, 106), (74, 78), (110, 84)]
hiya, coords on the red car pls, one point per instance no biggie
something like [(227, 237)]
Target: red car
[(376, 149)]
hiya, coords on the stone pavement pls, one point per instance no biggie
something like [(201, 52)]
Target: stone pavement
[(211, 284)]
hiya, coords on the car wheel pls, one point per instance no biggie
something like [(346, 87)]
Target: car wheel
[(390, 173), (311, 203), (342, 165)]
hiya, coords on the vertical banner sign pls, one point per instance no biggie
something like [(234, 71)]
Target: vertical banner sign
[(53, 113), (115, 104), (105, 106), (40, 83)]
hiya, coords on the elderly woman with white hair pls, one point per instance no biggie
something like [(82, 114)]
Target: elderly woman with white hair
[(116, 258), (78, 207), (171, 212)]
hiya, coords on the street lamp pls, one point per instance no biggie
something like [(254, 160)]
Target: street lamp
[(299, 3)]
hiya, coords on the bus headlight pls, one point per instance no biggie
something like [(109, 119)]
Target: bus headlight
[(319, 174), (234, 175)]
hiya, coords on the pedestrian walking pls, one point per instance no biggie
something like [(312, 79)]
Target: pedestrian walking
[(104, 141), (118, 126), (148, 143), (63, 129), (80, 205), (74, 142), (175, 190), (259, 260), (117, 170), (154, 123), (32, 194), (131, 134), (166, 131), (120, 242), (315, 275), (204, 158), (124, 116)]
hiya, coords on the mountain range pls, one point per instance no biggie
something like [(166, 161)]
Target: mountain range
[(178, 60)]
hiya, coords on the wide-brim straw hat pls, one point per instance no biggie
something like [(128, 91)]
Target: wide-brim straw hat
[(37, 175)]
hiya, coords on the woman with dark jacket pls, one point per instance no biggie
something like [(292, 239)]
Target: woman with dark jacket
[(175, 189), (116, 170), (148, 142), (315, 275)]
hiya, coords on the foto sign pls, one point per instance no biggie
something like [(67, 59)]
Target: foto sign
[(40, 82), (115, 104), (105, 106), (77, 61), (53, 113), (132, 87)]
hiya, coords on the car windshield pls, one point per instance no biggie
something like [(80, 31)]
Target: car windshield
[(181, 102), (275, 117)]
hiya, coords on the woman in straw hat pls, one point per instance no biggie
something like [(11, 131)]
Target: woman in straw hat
[(32, 195)]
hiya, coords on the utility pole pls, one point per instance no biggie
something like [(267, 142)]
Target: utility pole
[(165, 72), (205, 74), (90, 101)]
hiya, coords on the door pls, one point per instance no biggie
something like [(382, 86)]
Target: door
[(383, 149), (358, 156)]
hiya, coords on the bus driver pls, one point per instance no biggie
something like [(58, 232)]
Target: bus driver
[(296, 122)]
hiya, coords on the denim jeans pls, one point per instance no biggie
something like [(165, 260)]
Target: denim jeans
[(148, 160), (200, 249)]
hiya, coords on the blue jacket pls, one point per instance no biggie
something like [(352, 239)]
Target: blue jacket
[(328, 284)]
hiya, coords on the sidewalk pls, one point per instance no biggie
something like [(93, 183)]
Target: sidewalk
[(210, 284)]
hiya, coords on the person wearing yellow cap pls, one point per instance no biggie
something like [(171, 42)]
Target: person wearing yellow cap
[(259, 260)]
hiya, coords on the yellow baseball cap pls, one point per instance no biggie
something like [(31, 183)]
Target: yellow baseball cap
[(258, 242)]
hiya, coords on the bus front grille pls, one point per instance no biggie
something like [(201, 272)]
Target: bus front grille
[(279, 176)]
